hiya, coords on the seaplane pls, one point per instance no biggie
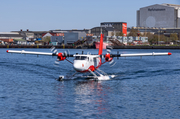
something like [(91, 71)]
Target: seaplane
[(89, 63)]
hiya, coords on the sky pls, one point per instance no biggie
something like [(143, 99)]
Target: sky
[(44, 15)]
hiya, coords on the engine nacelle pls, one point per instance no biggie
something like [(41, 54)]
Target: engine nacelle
[(108, 57), (60, 57)]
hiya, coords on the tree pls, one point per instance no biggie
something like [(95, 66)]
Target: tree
[(119, 34), (163, 38), (149, 35), (153, 40), (173, 37), (112, 33), (134, 33), (46, 39)]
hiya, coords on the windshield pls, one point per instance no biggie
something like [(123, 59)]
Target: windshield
[(80, 58)]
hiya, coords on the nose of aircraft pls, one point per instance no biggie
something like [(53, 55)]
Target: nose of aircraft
[(79, 66), (76, 67)]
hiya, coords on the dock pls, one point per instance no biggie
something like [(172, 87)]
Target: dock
[(47, 46), (88, 47)]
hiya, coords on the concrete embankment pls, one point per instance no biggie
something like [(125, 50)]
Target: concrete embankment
[(73, 47), (34, 46), (48, 46)]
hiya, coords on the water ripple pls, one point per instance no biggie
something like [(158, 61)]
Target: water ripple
[(144, 88)]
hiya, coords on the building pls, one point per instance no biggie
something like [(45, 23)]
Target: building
[(68, 31), (134, 40), (109, 28), (20, 41), (31, 35), (118, 26), (9, 36), (107, 31), (159, 15), (48, 34), (57, 39), (68, 38)]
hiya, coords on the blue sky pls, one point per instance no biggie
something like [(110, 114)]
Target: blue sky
[(43, 15)]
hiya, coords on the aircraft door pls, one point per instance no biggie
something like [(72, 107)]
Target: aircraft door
[(95, 62)]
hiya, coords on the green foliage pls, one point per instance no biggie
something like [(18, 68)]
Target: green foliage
[(46, 39), (134, 33), (173, 37), (149, 35), (162, 38), (119, 34), (153, 39), (112, 33)]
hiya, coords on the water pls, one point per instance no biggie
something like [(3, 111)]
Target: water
[(144, 88)]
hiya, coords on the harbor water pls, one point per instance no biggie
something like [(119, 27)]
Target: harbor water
[(147, 87)]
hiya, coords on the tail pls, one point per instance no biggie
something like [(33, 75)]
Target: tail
[(101, 44)]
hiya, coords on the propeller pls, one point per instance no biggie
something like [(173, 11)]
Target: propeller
[(108, 58), (60, 56)]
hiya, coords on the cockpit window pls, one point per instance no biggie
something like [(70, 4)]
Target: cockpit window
[(77, 58), (83, 57), (80, 58)]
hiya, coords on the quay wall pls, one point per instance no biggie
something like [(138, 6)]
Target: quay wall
[(35, 46), (73, 47)]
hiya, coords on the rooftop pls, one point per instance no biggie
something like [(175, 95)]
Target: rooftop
[(10, 35), (171, 5)]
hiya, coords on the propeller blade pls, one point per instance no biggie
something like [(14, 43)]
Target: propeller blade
[(112, 63), (66, 53), (109, 49), (54, 50), (56, 63)]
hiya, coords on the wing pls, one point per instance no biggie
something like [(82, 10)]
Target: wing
[(39, 53), (109, 57), (140, 54), (60, 56), (33, 53)]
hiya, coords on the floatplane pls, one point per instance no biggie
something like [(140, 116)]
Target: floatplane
[(89, 63)]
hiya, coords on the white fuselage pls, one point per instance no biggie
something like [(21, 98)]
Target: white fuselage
[(83, 62)]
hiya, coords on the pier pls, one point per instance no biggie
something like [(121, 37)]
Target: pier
[(88, 47), (47, 46)]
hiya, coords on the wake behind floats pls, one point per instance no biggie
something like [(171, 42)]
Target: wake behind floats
[(84, 63)]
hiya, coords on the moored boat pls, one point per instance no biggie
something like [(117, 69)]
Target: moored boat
[(97, 43)]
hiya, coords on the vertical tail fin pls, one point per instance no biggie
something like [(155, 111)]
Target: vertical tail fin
[(101, 44)]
